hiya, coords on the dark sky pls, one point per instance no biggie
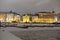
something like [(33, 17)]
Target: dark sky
[(30, 6)]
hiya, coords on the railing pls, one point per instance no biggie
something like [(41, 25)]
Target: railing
[(6, 24)]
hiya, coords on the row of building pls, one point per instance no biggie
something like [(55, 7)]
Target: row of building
[(46, 17), (9, 17)]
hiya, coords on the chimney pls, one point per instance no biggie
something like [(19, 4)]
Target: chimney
[(53, 11)]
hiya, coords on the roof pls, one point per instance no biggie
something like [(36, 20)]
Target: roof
[(10, 13), (47, 12), (44, 12)]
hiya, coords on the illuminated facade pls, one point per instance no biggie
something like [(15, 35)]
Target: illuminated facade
[(17, 18), (9, 17), (58, 17), (41, 17), (46, 17), (2, 17), (26, 18), (35, 19)]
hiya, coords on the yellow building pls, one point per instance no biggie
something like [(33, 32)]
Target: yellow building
[(2, 17), (17, 18), (26, 18), (58, 17), (41, 17), (35, 19), (46, 17), (9, 17)]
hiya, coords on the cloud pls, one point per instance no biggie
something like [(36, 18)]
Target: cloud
[(29, 5), (42, 2)]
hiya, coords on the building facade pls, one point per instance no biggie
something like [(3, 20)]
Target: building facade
[(9, 17), (47, 17), (40, 17)]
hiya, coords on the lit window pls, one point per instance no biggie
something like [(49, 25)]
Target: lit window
[(56, 19)]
